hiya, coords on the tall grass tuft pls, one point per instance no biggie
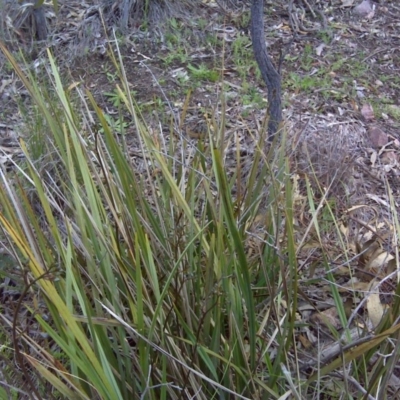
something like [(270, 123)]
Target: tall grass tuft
[(148, 271), (150, 290)]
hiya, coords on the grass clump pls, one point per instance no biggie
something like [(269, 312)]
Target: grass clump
[(144, 274), (163, 275)]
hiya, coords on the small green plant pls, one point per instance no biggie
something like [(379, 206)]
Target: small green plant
[(175, 24), (243, 57), (338, 64), (302, 83), (393, 111), (307, 57), (242, 51), (112, 77), (172, 39), (203, 73), (174, 35), (116, 124), (291, 58), (115, 97), (156, 104), (395, 82), (202, 23), (245, 112), (178, 54), (213, 40), (325, 36), (254, 97), (358, 69), (243, 20)]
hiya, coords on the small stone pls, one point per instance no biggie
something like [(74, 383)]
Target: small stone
[(367, 112), (378, 137), (364, 8)]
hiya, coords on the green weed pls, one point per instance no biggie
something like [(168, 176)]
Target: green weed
[(203, 73)]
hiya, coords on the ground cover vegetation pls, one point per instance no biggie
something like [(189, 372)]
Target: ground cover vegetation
[(162, 237)]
